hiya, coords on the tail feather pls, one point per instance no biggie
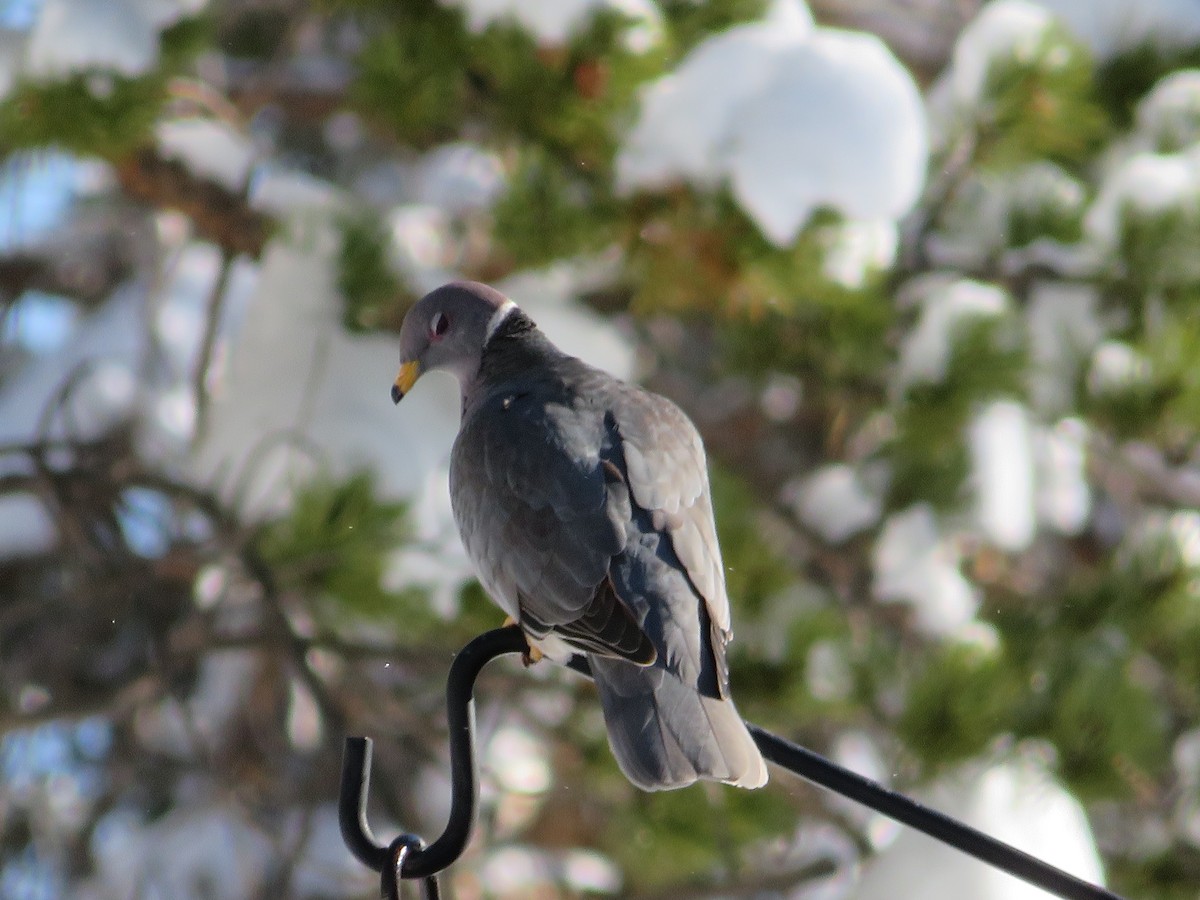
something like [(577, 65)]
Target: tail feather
[(666, 734)]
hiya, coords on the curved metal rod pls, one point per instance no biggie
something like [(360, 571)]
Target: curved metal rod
[(421, 863), (464, 776)]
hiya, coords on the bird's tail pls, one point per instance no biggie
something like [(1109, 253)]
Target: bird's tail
[(667, 735)]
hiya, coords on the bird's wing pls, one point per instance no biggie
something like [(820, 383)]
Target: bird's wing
[(668, 476), (671, 573), (543, 516)]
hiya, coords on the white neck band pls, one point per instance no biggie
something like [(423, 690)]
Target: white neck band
[(497, 319)]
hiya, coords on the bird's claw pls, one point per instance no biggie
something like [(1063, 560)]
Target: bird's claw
[(532, 654)]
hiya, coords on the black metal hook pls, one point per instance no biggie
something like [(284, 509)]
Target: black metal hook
[(418, 860), (407, 857)]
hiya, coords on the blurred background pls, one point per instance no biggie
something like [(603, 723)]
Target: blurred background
[(924, 272)]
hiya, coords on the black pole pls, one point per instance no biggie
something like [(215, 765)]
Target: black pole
[(419, 861), (407, 857), (937, 825)]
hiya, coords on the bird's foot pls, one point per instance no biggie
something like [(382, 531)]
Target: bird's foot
[(532, 654)]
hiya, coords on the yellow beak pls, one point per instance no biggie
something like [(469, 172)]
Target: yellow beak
[(409, 373)]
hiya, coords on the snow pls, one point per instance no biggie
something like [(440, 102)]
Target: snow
[(288, 193), (105, 351), (296, 377), (815, 117), (859, 249), (422, 244), (38, 322), (1112, 27), (1117, 367), (459, 178), (836, 503), (208, 845), (587, 872), (26, 528), (870, 160), (1169, 116), (164, 13), (1184, 527), (551, 22), (180, 318), (72, 36), (1143, 186), (1043, 186), (518, 870), (1001, 444), (926, 350), (688, 116), (210, 148), (1004, 30), (1016, 800), (914, 564), (1185, 756), (1064, 326), (36, 191), (827, 673), (517, 761), (12, 52), (1064, 498)]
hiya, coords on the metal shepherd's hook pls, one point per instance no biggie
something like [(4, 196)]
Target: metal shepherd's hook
[(407, 857)]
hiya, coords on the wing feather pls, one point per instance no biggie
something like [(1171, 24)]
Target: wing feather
[(668, 473)]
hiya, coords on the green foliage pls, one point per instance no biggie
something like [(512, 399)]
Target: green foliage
[(1160, 400), (679, 252), (334, 544), (371, 291), (94, 115), (754, 573), (549, 212), (1042, 106), (422, 74), (820, 325), (1084, 685), (928, 450), (476, 613), (1158, 249), (1173, 354), (255, 33), (564, 99), (963, 697), (689, 22), (180, 43), (1169, 874), (1105, 722), (99, 113), (685, 831), (412, 76), (1048, 203), (1122, 81)]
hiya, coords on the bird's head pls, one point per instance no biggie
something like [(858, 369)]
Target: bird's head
[(447, 329)]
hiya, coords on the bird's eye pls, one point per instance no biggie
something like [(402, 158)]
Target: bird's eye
[(438, 324)]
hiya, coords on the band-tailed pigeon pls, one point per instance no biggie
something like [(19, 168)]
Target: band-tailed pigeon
[(583, 503)]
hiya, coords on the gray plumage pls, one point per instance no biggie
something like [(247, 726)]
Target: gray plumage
[(583, 503)]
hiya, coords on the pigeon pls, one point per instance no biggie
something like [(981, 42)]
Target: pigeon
[(583, 503)]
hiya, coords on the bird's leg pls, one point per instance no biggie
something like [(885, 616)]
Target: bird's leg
[(530, 656)]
